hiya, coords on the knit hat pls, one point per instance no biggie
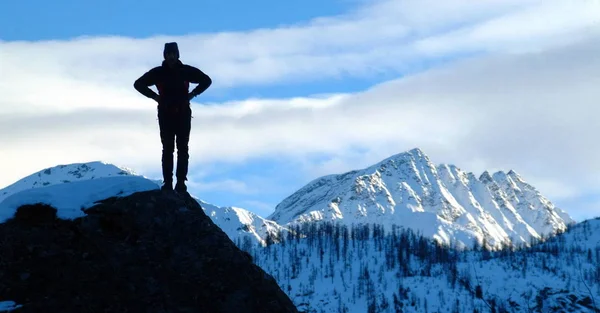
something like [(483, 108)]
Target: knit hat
[(171, 47)]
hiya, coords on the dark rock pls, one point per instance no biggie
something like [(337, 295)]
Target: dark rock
[(140, 253), (35, 214), (587, 301)]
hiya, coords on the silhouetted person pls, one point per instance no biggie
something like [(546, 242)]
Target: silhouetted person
[(172, 80)]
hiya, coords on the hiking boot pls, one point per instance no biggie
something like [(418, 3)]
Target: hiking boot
[(181, 187), (167, 186)]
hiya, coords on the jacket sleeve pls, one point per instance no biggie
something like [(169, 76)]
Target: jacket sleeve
[(196, 76), (148, 79)]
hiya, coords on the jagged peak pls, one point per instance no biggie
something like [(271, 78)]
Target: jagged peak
[(486, 178), (509, 178), (518, 181), (515, 176), (414, 154), (417, 152), (418, 155)]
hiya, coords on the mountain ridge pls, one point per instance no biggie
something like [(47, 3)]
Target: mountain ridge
[(440, 201)]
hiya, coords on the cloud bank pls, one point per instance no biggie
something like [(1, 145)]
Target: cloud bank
[(518, 90)]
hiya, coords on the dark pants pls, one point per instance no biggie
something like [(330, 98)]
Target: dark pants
[(175, 129)]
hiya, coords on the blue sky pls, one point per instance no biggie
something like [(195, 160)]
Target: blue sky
[(62, 20), (22, 20), (306, 88)]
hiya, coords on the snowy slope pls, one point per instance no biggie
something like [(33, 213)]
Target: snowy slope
[(584, 235), (534, 208), (442, 202), (356, 270)]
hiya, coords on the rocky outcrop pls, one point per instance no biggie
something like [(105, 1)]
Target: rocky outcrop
[(147, 252)]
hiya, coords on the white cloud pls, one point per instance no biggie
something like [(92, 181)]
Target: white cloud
[(382, 36), (529, 103), (531, 28), (534, 113)]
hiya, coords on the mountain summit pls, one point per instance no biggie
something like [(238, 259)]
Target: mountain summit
[(442, 202)]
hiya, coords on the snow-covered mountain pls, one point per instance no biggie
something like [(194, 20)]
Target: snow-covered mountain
[(238, 223), (442, 202), (64, 174), (72, 187)]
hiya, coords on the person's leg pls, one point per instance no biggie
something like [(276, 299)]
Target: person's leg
[(167, 138), (183, 138)]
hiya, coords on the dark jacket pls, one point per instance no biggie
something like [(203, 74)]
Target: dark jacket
[(173, 84)]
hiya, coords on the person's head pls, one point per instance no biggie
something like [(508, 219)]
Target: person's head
[(171, 53)]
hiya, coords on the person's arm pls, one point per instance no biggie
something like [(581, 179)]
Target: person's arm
[(146, 80), (196, 76)]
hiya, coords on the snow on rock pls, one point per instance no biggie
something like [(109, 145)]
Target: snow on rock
[(442, 201), (71, 198)]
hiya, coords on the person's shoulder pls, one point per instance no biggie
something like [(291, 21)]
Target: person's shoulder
[(189, 67), (156, 69)]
